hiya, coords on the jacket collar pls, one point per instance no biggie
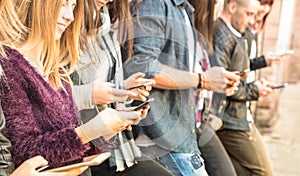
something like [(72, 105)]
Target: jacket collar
[(232, 29), (182, 3), (178, 2)]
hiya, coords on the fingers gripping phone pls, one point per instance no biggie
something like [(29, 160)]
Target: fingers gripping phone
[(243, 72), (87, 161), (142, 105), (136, 87)]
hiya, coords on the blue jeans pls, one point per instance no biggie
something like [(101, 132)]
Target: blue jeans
[(185, 164)]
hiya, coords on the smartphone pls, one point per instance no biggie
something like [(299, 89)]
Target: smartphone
[(87, 161), (243, 72), (136, 87), (287, 52), (142, 105), (281, 86)]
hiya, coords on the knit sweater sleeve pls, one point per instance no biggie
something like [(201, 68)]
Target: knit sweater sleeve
[(57, 142), (82, 95)]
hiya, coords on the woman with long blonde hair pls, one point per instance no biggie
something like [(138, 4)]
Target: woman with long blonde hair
[(36, 93), (11, 31), (11, 28)]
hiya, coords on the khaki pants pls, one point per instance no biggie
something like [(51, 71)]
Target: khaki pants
[(247, 151)]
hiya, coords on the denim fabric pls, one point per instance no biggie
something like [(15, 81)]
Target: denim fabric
[(184, 164), (161, 39)]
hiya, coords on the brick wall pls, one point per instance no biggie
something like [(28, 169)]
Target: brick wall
[(266, 110)]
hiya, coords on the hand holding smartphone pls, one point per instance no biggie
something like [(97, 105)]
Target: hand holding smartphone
[(87, 161), (243, 72), (136, 87), (142, 105)]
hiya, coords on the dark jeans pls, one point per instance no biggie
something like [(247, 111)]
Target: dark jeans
[(247, 151), (143, 168), (217, 162)]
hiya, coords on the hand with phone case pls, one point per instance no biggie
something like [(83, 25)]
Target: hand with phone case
[(143, 105), (139, 85), (243, 73), (106, 93), (264, 86), (87, 161), (29, 167), (108, 123)]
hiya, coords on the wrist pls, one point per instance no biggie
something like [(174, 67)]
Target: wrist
[(200, 81), (205, 81), (81, 134)]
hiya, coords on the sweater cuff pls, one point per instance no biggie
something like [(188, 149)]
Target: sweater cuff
[(257, 63), (83, 96)]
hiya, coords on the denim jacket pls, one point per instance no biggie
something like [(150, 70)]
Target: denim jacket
[(230, 53), (161, 39)]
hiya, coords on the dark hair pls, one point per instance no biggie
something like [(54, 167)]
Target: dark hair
[(204, 19), (270, 2), (263, 2), (119, 11)]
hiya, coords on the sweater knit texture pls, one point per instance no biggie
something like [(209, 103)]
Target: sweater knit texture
[(40, 119)]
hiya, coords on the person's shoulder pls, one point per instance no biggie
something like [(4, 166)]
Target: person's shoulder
[(13, 61), (222, 33), (11, 55), (150, 6), (221, 26), (153, 1)]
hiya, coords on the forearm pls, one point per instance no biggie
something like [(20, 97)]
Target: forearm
[(172, 79)]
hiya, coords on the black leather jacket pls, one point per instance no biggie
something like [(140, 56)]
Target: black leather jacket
[(230, 53), (6, 165)]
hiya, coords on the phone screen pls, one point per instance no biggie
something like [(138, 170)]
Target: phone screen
[(142, 105)]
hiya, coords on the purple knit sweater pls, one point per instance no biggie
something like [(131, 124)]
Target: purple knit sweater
[(40, 120)]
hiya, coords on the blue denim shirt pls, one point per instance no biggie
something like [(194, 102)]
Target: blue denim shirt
[(161, 39)]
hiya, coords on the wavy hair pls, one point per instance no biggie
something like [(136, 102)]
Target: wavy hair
[(58, 56), (11, 28)]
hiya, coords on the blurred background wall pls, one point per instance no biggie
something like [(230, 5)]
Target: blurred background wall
[(281, 33)]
